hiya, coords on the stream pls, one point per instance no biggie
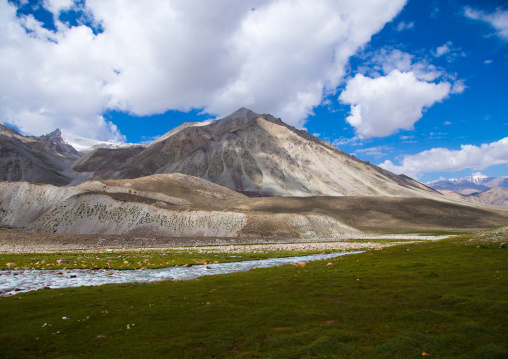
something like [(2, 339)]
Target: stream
[(19, 281)]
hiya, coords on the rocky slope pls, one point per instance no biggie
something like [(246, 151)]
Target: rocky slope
[(177, 205), (34, 159), (496, 196), (253, 154), (172, 205)]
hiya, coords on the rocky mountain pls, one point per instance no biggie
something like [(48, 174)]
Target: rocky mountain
[(258, 155), (496, 196), (470, 184), (34, 159), (56, 143), (177, 205)]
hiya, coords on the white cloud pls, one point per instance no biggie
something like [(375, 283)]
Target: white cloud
[(443, 49), (487, 62), (497, 19), (381, 106), (448, 50), (386, 61), (405, 26), (458, 87), (343, 141), (56, 6), (392, 91), (274, 56), (445, 160), (376, 151)]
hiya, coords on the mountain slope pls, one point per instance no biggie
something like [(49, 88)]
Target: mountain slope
[(260, 155), (176, 205), (33, 160), (496, 196)]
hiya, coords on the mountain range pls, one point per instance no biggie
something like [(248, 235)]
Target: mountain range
[(258, 155), (478, 188), (246, 175)]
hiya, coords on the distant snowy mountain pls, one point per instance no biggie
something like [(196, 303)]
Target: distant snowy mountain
[(470, 184), (83, 144)]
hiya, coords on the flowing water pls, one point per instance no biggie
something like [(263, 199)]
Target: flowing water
[(18, 281)]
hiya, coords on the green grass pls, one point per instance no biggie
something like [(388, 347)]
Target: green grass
[(446, 298)]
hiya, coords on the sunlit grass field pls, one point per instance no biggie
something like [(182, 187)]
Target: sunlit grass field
[(445, 299)]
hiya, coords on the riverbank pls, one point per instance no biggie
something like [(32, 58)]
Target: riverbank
[(17, 241)]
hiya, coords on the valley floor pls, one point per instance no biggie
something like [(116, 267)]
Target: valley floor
[(17, 241), (438, 299)]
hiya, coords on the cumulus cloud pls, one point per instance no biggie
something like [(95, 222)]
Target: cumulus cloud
[(445, 160), (274, 56), (497, 19), (393, 91), (381, 106)]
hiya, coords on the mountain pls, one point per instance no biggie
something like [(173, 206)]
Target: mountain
[(470, 184), (177, 205), (34, 159), (258, 155), (177, 129), (56, 143), (496, 196)]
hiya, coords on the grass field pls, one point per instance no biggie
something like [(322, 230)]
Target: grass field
[(446, 299)]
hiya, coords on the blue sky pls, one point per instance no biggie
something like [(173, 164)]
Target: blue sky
[(417, 87)]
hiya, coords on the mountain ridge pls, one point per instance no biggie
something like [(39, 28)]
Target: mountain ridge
[(258, 154)]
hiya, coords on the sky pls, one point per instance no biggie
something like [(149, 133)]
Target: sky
[(416, 87)]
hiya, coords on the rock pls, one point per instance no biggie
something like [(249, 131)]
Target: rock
[(503, 245), (9, 265), (125, 262), (208, 267), (65, 318), (425, 354), (302, 264), (187, 265), (329, 265), (62, 261)]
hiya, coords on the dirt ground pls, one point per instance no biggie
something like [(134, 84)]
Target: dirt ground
[(18, 241)]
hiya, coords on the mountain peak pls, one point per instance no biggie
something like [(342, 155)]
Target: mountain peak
[(243, 113)]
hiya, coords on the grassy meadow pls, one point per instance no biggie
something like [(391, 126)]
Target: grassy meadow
[(440, 299)]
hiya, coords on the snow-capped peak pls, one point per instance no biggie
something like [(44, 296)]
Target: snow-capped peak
[(83, 144)]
